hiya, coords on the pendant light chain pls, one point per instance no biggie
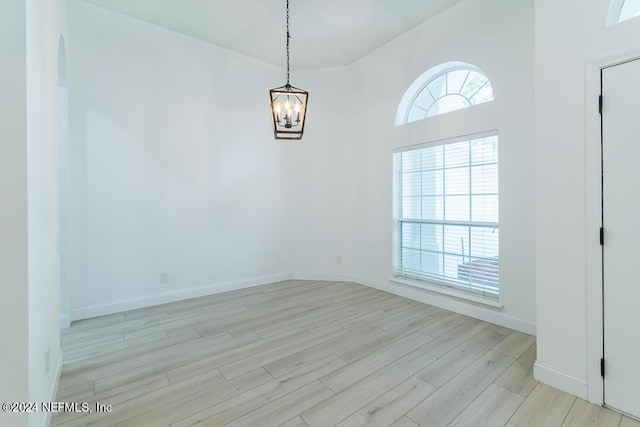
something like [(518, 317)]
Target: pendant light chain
[(288, 38)]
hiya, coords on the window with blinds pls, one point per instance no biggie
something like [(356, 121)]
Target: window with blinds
[(446, 215)]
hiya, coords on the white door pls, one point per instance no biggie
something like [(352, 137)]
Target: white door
[(621, 248)]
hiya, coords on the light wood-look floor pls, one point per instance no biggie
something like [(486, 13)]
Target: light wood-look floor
[(303, 353)]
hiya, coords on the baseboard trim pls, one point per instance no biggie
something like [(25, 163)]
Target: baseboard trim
[(334, 277), (560, 380), (467, 308), (448, 303), (120, 306), (65, 321)]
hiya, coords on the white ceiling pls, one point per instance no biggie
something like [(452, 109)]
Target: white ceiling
[(324, 33)]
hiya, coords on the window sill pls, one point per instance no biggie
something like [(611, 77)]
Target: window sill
[(434, 287)]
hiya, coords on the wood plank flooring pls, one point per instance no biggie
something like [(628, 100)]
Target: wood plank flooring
[(307, 353)]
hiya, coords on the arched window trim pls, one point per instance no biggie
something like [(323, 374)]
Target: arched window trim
[(421, 83), (615, 10)]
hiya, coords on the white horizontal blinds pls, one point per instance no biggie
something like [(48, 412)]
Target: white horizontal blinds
[(447, 215)]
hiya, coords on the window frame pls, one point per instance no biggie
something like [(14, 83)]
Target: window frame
[(458, 289), (423, 81), (615, 11)]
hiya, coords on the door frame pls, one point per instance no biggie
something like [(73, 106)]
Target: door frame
[(593, 193)]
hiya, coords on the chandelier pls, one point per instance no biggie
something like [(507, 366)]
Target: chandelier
[(288, 105)]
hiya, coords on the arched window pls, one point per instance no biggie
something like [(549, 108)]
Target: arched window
[(447, 87), (446, 204), (621, 10)]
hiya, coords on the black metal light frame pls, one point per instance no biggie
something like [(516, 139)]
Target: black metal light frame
[(288, 105)]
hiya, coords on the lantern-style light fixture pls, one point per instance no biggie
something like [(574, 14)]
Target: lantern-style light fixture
[(288, 105)]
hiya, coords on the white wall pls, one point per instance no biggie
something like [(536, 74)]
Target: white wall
[(13, 214), (569, 35), (45, 24), (160, 184), (29, 309), (173, 167), (63, 177), (324, 170), (496, 36)]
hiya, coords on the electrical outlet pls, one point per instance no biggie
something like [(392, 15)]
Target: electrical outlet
[(339, 259), (164, 277), (48, 361)]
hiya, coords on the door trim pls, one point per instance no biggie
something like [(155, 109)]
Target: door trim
[(593, 194)]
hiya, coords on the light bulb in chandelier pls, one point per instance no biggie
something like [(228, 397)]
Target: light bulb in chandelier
[(278, 109), (287, 115)]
